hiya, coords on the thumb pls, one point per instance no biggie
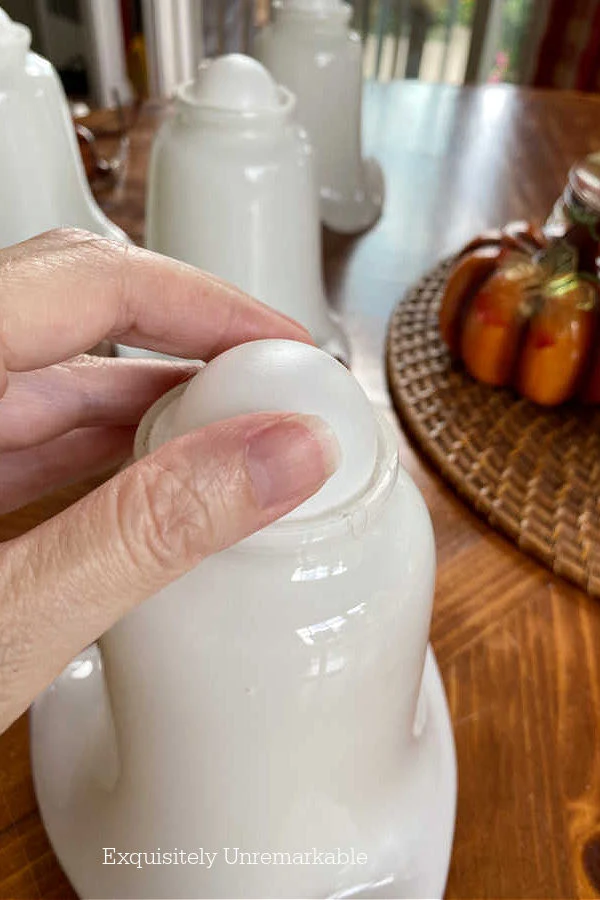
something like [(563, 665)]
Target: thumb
[(64, 583)]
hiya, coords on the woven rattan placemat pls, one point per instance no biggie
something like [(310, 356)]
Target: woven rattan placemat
[(533, 473)]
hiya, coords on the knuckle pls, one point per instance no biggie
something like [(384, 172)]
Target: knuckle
[(98, 249), (74, 242), (166, 518), (67, 234), (66, 241)]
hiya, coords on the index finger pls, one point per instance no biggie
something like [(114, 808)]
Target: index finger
[(64, 291)]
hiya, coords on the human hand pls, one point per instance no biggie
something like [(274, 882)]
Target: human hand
[(62, 418)]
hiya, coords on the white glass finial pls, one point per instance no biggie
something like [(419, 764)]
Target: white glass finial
[(312, 6), (237, 83), (287, 376), (13, 36)]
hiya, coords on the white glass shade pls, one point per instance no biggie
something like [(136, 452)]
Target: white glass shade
[(278, 698), (42, 179), (310, 49), (232, 191)]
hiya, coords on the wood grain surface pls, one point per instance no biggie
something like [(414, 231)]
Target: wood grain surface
[(519, 650)]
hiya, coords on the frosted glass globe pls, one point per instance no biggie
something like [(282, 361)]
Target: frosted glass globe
[(286, 376)]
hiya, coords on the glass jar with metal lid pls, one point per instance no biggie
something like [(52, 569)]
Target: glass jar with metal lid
[(576, 213)]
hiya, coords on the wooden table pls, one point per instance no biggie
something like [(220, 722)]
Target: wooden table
[(518, 648)]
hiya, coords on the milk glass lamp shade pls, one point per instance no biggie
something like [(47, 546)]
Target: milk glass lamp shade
[(42, 179), (231, 190), (309, 48), (280, 698)]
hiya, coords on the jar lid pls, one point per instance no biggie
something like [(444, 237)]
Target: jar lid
[(277, 376), (584, 181)]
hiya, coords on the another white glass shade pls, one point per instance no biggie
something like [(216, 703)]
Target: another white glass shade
[(42, 180), (310, 49), (231, 190)]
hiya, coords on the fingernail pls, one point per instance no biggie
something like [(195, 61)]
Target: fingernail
[(291, 460)]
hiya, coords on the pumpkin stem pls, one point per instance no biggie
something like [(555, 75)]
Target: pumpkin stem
[(561, 284), (558, 259)]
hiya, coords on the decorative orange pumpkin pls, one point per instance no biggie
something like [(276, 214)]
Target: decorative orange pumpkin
[(518, 312)]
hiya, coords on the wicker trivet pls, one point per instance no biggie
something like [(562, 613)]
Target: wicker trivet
[(534, 474)]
